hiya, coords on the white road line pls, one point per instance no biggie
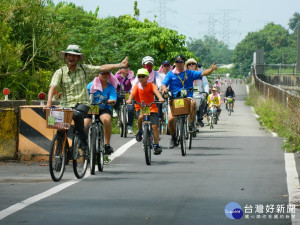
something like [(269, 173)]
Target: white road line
[(122, 149), (292, 183), (18, 206)]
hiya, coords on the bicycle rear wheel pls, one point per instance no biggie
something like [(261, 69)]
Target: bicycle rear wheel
[(57, 157), (146, 145), (100, 149), (92, 146), (182, 135), (80, 159)]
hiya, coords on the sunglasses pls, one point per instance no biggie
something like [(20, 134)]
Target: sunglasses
[(141, 76), (166, 65), (191, 64), (179, 61)]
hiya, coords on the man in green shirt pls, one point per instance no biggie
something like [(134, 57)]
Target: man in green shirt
[(72, 79)]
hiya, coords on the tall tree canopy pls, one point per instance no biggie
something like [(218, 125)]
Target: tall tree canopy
[(32, 32), (210, 50)]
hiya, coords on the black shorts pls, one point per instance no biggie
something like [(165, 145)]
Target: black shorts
[(101, 112), (153, 117)]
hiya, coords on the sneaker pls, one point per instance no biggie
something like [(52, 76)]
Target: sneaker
[(192, 127), (139, 136), (207, 124), (201, 124), (173, 142), (157, 149), (129, 128), (108, 149)]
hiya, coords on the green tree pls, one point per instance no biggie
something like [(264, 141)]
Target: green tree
[(274, 39), (294, 22), (210, 50)]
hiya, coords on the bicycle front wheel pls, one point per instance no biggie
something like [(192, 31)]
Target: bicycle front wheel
[(146, 145), (182, 136), (92, 146), (211, 122), (125, 129), (80, 159), (190, 134), (57, 157), (100, 149)]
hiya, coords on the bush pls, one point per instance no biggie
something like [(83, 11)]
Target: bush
[(276, 117)]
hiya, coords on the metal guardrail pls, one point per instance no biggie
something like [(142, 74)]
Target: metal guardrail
[(281, 96), (281, 69)]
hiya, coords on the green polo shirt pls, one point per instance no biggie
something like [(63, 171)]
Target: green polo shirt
[(73, 85)]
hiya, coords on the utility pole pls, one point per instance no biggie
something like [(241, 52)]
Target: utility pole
[(298, 55)]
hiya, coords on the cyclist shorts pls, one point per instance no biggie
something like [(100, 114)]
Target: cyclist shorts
[(101, 112), (153, 117)]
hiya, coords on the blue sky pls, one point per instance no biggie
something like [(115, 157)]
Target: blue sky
[(229, 20)]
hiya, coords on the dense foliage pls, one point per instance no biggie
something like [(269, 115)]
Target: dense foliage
[(210, 50), (32, 32)]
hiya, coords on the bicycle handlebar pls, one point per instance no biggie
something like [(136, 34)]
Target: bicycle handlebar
[(143, 104)]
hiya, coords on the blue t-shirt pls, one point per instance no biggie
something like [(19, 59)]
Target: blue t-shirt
[(109, 93), (175, 84)]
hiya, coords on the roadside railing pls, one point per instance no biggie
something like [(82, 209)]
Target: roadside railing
[(279, 95), (280, 69)]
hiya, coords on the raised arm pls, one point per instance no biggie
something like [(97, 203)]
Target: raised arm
[(109, 67), (210, 70)]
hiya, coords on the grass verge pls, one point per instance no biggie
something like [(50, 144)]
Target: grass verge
[(277, 118)]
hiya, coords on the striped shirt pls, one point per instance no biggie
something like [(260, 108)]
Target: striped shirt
[(73, 84)]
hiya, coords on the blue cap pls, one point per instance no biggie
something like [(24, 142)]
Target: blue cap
[(165, 62), (180, 57)]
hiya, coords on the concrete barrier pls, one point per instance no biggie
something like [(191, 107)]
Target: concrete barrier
[(8, 133), (34, 137)]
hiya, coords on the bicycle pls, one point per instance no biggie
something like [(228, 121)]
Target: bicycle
[(96, 137), (229, 106), (180, 107), (147, 129), (163, 124), (213, 116), (123, 114), (60, 150)]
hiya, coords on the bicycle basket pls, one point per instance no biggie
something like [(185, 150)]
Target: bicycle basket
[(180, 106), (59, 118), (230, 100)]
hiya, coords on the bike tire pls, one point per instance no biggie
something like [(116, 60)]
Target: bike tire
[(215, 120), (182, 137), (146, 145), (229, 109), (125, 129), (92, 146), (191, 134), (211, 122), (80, 159), (57, 157), (100, 152)]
